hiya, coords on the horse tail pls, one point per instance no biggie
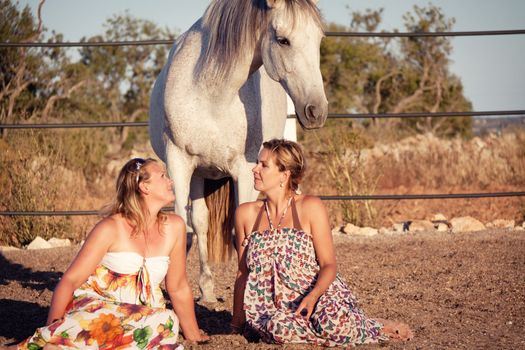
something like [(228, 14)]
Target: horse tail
[(220, 200)]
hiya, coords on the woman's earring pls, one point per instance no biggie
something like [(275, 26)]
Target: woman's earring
[(281, 185)]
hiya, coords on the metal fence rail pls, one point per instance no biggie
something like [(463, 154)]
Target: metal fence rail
[(334, 116), (326, 198), (331, 116), (328, 34)]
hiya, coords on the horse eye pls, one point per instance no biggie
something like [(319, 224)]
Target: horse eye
[(283, 41)]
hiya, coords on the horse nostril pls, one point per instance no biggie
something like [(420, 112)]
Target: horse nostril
[(310, 112)]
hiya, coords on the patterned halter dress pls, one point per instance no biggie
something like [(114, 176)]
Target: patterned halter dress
[(282, 270)]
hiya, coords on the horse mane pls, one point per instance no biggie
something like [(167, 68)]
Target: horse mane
[(234, 26)]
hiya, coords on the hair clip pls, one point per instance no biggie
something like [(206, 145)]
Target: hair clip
[(139, 162)]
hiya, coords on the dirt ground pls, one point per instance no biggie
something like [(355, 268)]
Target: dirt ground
[(457, 291)]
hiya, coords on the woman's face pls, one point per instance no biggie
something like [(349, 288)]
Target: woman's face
[(159, 185), (266, 174)]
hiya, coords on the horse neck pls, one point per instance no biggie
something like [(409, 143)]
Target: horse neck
[(228, 88)]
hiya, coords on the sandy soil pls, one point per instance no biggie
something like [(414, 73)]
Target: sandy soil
[(461, 291)]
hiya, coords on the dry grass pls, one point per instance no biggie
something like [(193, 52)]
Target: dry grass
[(417, 164), (74, 171), (434, 163)]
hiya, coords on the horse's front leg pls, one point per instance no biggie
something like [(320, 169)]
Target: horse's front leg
[(180, 170), (199, 219), (244, 185)]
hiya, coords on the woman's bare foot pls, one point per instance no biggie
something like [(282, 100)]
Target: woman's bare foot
[(396, 330)]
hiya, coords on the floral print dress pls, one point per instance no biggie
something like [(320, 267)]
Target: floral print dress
[(282, 270), (120, 306)]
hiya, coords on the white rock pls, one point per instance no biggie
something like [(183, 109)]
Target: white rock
[(367, 231), (386, 231), (500, 223), (421, 225), (7, 248), (439, 217), (398, 227), (442, 227), (336, 231), (350, 229), (39, 243), (466, 224), (57, 242)]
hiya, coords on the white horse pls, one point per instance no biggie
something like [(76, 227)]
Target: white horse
[(212, 107)]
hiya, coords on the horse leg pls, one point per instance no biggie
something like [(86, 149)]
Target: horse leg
[(180, 171), (199, 219), (244, 191), (244, 185)]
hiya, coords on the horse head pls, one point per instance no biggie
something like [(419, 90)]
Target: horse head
[(290, 51)]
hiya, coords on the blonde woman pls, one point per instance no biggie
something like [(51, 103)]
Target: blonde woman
[(109, 297), (287, 287)]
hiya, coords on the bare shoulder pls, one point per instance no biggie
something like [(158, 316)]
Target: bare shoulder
[(110, 225), (248, 209), (105, 232), (310, 202), (175, 223)]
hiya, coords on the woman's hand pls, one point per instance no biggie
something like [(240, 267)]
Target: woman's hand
[(203, 338), (306, 307)]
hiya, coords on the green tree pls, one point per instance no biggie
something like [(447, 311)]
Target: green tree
[(18, 67), (124, 75), (382, 76)]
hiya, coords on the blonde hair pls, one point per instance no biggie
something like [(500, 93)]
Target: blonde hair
[(129, 201), (288, 155)]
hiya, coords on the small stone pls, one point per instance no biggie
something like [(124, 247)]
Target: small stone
[(439, 217), (39, 243), (57, 242), (500, 223), (367, 231), (398, 227), (350, 229), (337, 231), (466, 224), (385, 231), (8, 248), (442, 227), (421, 225)]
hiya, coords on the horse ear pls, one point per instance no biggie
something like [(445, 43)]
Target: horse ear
[(273, 4)]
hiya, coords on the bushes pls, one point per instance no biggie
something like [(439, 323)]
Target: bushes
[(335, 167), (45, 170)]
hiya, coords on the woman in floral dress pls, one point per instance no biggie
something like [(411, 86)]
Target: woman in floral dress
[(287, 287), (109, 297)]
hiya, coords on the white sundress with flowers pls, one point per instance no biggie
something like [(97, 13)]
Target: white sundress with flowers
[(120, 306)]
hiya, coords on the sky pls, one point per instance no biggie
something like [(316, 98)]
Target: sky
[(491, 68)]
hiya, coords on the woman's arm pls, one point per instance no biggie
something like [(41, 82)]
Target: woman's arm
[(242, 271), (177, 284), (324, 250), (96, 245)]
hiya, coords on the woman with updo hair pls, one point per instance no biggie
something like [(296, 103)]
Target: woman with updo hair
[(287, 287), (110, 296)]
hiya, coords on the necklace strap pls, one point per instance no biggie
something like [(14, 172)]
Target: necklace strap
[(282, 215)]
